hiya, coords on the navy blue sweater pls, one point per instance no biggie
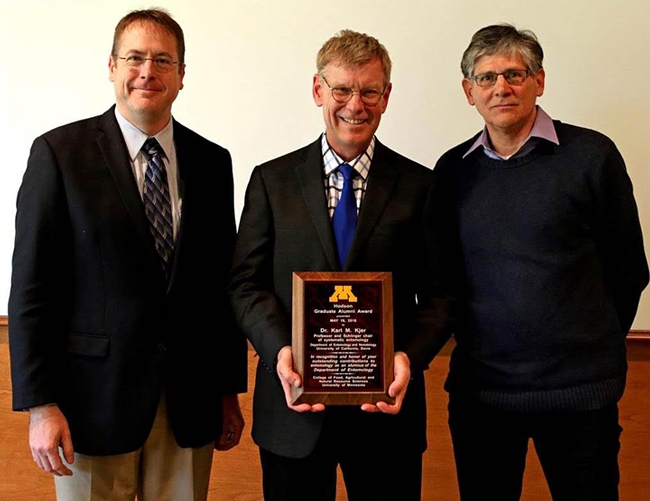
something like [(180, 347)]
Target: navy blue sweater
[(550, 265)]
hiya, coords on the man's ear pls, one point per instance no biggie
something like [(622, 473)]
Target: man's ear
[(111, 68), (467, 89), (540, 80), (317, 90)]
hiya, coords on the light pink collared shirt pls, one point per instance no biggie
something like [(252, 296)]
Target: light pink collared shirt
[(543, 129)]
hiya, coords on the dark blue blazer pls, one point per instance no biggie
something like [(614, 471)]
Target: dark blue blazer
[(94, 324), (285, 227)]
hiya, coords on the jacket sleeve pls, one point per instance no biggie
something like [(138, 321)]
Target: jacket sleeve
[(257, 310), (38, 295), (435, 299)]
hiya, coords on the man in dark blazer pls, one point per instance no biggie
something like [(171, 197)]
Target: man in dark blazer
[(116, 349), (285, 227)]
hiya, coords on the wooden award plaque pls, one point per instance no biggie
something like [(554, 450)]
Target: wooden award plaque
[(342, 338)]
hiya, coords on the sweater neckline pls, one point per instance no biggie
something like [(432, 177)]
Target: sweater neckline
[(510, 163)]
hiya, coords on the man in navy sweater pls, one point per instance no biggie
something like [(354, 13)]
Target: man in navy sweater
[(549, 251)]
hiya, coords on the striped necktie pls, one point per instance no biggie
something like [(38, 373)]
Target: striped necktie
[(157, 202)]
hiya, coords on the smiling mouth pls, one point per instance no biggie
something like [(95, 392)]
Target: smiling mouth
[(146, 89), (352, 121)]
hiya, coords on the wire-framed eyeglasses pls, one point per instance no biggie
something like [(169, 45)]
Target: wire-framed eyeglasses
[(513, 77), (343, 94), (160, 63)]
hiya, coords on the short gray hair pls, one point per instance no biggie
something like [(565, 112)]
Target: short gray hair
[(502, 39)]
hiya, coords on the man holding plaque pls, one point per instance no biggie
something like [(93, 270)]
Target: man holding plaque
[(290, 224)]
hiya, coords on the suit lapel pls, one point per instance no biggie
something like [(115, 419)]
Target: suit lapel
[(310, 178), (183, 159), (382, 178), (111, 143)]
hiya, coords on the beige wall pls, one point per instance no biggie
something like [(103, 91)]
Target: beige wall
[(250, 63)]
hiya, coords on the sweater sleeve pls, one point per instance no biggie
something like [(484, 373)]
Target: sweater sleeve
[(620, 238)]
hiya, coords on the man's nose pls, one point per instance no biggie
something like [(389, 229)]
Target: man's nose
[(502, 86), (355, 101), (147, 68)]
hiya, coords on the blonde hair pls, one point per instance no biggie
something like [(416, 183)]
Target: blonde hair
[(351, 48)]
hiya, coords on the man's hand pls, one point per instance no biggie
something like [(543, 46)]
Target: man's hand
[(233, 424), (291, 379), (48, 429), (397, 389)]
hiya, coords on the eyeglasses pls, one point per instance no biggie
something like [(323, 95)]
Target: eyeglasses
[(343, 94), (513, 77), (160, 63)]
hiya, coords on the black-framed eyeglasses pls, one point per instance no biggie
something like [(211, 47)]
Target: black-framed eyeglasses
[(161, 63), (513, 77), (343, 94)]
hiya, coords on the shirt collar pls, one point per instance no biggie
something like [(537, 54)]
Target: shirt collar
[(135, 138), (361, 164), (542, 129)]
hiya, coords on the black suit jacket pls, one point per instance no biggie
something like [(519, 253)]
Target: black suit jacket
[(285, 227), (94, 325)]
